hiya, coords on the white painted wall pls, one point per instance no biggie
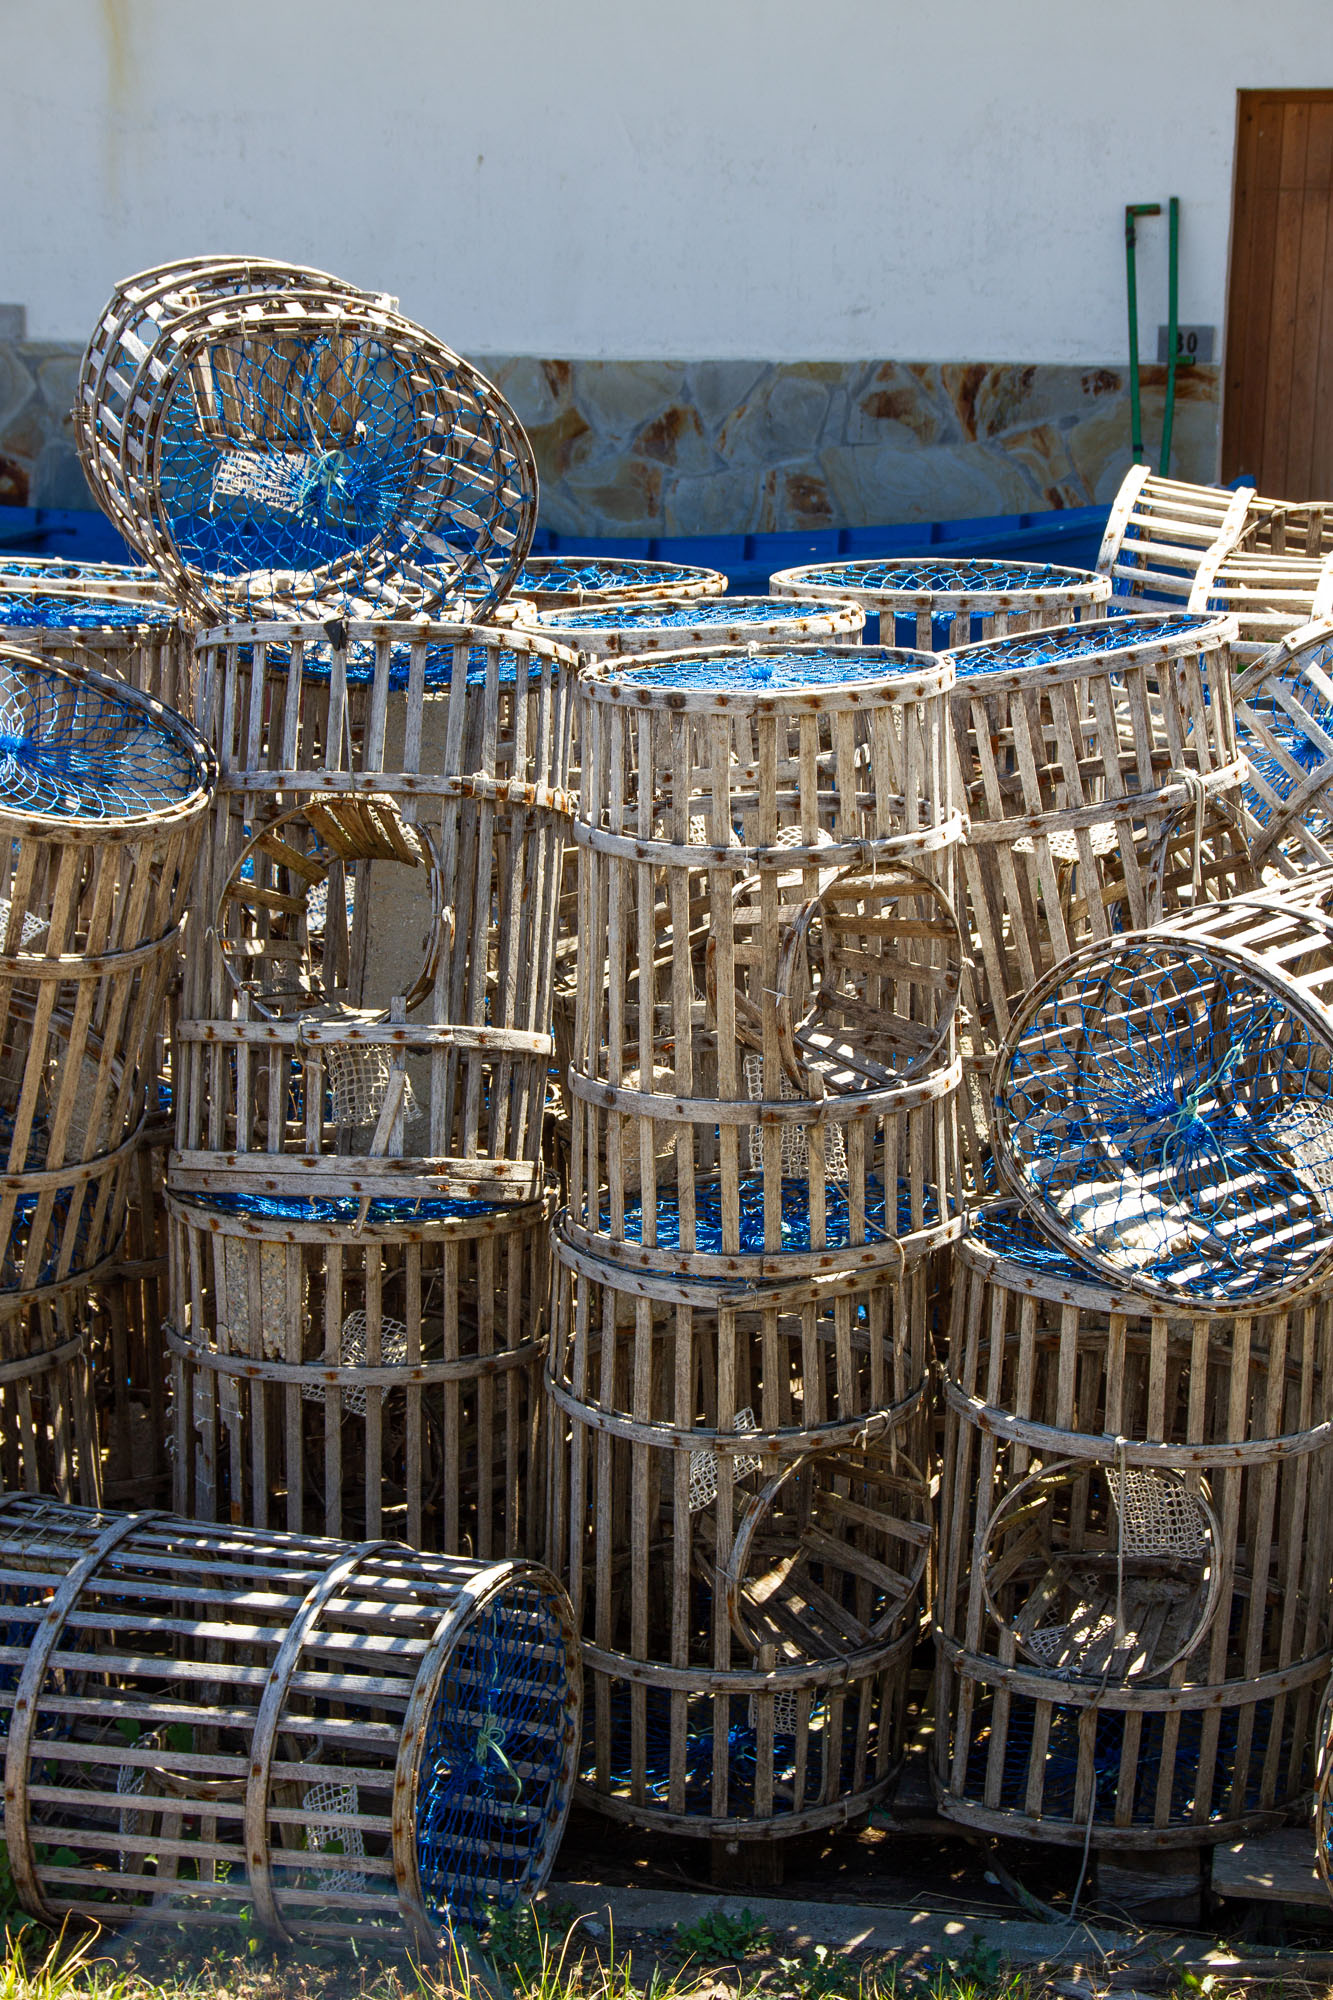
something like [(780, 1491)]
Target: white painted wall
[(784, 179)]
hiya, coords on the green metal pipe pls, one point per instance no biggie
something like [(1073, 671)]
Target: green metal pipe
[(1172, 328), (1131, 286)]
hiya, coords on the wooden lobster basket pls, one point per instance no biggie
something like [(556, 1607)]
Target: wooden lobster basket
[(1132, 1621), (103, 798), (1292, 528), (1075, 749), (763, 1068), (328, 1740), (299, 446), (1284, 726), (670, 624), (1160, 1102), (1268, 595), (346, 1373), (547, 582), (747, 1540), (934, 604), (131, 640), (1160, 531)]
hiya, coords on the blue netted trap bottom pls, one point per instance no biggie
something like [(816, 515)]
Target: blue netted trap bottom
[(830, 1749), (493, 1790), (771, 672), (341, 1208), (708, 1236), (591, 574), (1060, 1763), (694, 614), (78, 751), (41, 612)]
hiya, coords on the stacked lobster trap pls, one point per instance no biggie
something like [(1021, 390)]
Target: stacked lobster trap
[(762, 1158), (103, 799), (357, 1213)]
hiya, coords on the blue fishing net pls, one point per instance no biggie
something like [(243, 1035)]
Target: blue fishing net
[(1304, 750), (285, 455), (693, 615), (795, 1215), (591, 574), (342, 1208), (1072, 642), (77, 751), (974, 575), (40, 611), (491, 1770), (759, 673), (1008, 1231), (1060, 1763), (739, 1746), (1175, 1117)]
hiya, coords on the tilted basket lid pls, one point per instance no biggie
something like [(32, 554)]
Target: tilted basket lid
[(76, 747)]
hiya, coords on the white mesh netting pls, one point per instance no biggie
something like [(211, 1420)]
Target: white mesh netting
[(795, 1146), (352, 1354), (1158, 1516), (1303, 1131), (703, 1465), (784, 1712), (276, 479), (329, 1807), (359, 1074)]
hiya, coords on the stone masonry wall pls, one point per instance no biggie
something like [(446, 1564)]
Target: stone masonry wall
[(640, 448)]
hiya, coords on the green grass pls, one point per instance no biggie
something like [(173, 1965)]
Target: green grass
[(525, 1955)]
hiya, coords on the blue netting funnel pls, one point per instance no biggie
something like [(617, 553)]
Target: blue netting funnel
[(75, 746), (312, 452), (495, 1772), (1164, 1105)]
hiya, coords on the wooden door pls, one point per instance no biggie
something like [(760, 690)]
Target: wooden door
[(1277, 412)]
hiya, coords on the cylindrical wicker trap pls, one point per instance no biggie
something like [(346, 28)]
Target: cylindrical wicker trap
[(1133, 1621), (103, 796), (298, 445), (763, 1064), (213, 1725), (1160, 531)]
